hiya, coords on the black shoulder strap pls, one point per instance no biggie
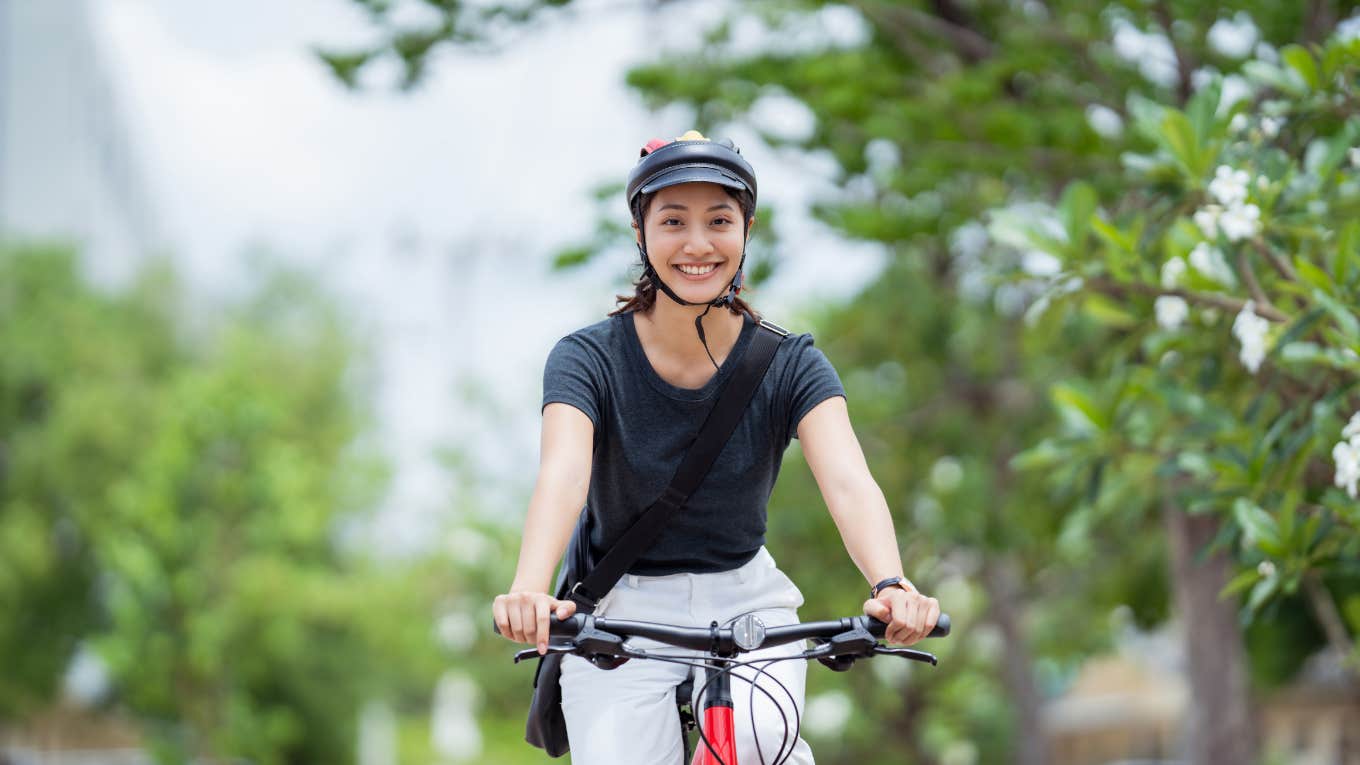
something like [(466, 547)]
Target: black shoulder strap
[(717, 429)]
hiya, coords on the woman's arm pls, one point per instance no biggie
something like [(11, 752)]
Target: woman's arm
[(861, 514), (559, 494)]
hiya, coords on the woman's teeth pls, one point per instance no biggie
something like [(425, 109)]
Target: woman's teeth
[(698, 270)]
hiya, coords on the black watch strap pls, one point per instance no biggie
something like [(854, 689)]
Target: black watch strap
[(900, 581)]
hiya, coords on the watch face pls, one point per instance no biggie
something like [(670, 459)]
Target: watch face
[(748, 632)]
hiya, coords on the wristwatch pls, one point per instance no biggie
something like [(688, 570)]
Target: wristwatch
[(898, 581)]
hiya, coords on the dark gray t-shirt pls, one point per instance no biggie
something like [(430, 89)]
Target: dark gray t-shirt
[(643, 425)]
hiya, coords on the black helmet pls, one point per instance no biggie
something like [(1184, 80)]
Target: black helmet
[(691, 158), (688, 159)]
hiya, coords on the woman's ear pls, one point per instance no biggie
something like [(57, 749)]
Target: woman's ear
[(637, 233), (751, 224)]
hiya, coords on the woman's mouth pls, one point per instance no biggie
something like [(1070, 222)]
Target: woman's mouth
[(696, 272)]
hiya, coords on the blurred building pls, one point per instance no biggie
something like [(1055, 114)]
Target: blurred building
[(68, 168), (1130, 708)]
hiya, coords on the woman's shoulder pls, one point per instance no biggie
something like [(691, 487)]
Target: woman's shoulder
[(602, 338)]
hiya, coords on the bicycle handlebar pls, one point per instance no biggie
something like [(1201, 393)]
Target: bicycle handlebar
[(720, 640)]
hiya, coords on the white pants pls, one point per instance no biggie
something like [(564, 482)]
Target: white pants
[(627, 716)]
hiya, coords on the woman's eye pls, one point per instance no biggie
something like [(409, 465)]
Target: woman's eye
[(721, 221), (671, 222)]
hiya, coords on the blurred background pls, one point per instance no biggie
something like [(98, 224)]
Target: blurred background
[(277, 282)]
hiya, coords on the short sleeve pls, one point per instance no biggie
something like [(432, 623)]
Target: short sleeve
[(572, 376), (809, 380)]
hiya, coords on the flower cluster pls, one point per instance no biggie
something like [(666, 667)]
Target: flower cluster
[(1171, 311), (1250, 331), (1346, 454), (1233, 216), (1211, 264)]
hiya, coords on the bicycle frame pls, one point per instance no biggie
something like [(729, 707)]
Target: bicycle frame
[(719, 726)]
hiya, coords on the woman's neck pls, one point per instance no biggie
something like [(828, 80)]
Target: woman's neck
[(670, 330)]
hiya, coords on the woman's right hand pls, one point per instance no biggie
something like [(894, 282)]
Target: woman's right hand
[(522, 616)]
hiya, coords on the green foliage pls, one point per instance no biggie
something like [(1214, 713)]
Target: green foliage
[(1179, 407), (1024, 424), (174, 502)]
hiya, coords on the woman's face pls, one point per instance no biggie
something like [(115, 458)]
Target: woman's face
[(694, 239)]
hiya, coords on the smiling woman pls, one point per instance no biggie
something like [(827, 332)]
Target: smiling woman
[(622, 402)]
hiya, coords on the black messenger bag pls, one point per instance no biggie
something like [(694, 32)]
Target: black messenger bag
[(586, 582)]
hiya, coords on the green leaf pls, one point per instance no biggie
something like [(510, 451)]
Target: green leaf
[(1347, 249), (1240, 583), (1314, 275), (1286, 81), (571, 257), (1045, 454), (1299, 59), (1108, 312), (1345, 317), (1178, 136), (1259, 526), (1262, 592), (1077, 208), (1117, 238), (1077, 403)]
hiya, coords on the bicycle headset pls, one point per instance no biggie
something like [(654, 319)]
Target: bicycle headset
[(688, 159)]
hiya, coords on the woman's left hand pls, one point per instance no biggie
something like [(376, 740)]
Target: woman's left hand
[(910, 615)]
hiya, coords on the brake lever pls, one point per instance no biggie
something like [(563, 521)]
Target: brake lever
[(532, 653), (907, 653)]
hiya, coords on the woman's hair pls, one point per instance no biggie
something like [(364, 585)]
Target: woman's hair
[(644, 292)]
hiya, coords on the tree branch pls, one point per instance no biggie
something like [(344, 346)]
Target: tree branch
[(966, 41), (1324, 608), (1253, 286), (1233, 305), (1184, 66), (1282, 266)]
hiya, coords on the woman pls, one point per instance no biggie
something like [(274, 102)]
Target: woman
[(622, 400)]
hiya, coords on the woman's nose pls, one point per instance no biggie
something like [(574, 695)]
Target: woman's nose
[(698, 243)]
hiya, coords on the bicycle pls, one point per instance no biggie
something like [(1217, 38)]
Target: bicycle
[(838, 644)]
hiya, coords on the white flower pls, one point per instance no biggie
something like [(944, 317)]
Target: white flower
[(1270, 126), (1151, 52), (1207, 220), (1105, 121), (1172, 272), (1352, 429), (1229, 186), (1266, 569), (1346, 31), (1233, 38), (969, 241), (1250, 331), (1211, 264), (1240, 222), (1171, 311), (1354, 155), (1202, 77), (1235, 88), (946, 475), (1346, 454), (1040, 263), (1238, 123), (1267, 53)]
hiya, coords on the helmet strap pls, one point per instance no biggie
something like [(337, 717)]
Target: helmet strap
[(726, 300)]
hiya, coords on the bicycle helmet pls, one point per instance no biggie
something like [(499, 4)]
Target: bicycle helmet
[(688, 159)]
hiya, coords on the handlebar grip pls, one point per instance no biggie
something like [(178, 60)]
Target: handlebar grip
[(942, 627), (552, 622)]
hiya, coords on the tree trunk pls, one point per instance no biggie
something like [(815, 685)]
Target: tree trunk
[(1218, 721), (1030, 745)]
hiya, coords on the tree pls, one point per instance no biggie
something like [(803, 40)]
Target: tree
[(939, 114), (174, 499)]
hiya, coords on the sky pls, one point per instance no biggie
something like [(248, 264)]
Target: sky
[(432, 214)]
